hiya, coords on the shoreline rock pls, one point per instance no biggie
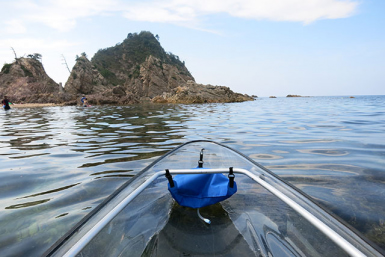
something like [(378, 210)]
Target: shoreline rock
[(138, 70), (25, 80), (30, 105), (192, 92)]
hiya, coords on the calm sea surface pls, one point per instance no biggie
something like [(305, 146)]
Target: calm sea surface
[(58, 163)]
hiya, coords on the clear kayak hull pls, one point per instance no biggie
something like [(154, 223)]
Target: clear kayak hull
[(266, 217)]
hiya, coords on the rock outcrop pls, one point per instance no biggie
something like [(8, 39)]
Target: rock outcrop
[(85, 79), (140, 70), (134, 71), (25, 80), (198, 93), (156, 77)]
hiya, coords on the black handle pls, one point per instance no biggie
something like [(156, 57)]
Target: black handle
[(169, 177), (200, 162), (231, 177)]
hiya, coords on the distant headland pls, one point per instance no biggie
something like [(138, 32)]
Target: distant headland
[(135, 71)]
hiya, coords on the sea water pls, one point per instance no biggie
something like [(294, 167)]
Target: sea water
[(58, 163)]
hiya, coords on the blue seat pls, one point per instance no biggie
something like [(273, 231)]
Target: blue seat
[(200, 190)]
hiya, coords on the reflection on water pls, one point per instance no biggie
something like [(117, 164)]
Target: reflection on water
[(313, 169), (330, 152), (264, 156), (58, 163), (27, 204)]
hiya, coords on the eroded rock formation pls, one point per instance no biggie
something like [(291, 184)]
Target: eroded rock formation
[(136, 70), (191, 92), (25, 80)]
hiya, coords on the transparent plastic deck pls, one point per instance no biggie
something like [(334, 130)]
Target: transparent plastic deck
[(253, 222)]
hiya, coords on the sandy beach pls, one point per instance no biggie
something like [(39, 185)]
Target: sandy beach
[(33, 105)]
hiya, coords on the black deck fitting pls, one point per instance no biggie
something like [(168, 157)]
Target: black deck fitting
[(231, 177), (169, 177)]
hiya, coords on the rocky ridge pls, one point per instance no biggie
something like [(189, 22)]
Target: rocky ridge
[(25, 80), (192, 92), (134, 71)]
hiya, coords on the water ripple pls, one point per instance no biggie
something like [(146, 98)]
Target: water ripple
[(58, 163)]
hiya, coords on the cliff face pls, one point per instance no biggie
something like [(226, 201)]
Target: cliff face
[(85, 79), (156, 77), (198, 93), (138, 68), (25, 80)]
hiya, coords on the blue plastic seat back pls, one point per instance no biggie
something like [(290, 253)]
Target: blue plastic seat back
[(199, 190)]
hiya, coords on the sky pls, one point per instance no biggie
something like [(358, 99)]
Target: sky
[(256, 47)]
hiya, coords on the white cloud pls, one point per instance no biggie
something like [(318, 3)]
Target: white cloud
[(15, 26), (25, 46), (63, 15), (34, 43), (159, 13), (305, 11)]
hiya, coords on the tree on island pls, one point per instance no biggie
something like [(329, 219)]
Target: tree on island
[(65, 63), (14, 52), (82, 54), (35, 56)]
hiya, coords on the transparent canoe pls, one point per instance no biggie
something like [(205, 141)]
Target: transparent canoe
[(266, 217)]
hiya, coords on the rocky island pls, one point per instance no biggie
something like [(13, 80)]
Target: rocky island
[(135, 71), (25, 80)]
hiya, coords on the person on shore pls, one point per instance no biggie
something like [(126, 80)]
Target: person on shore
[(82, 99), (6, 103), (85, 102)]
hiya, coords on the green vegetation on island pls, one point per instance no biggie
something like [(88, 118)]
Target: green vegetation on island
[(133, 71)]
